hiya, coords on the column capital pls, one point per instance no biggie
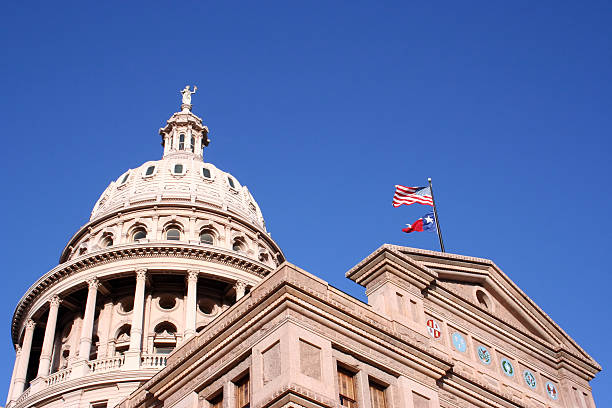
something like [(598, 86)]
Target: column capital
[(240, 285), (93, 283), (30, 324), (192, 275), (55, 301), (141, 274)]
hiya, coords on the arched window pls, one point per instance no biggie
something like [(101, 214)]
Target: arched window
[(181, 142), (122, 339), (138, 234), (106, 241), (207, 238), (238, 246), (165, 328), (173, 234), (165, 338), (192, 144), (124, 178)]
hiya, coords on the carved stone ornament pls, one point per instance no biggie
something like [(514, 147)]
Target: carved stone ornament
[(93, 283), (240, 286), (141, 274), (30, 324), (55, 301), (192, 275)]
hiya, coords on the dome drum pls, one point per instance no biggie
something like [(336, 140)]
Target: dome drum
[(169, 246)]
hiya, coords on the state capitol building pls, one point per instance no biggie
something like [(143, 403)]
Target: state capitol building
[(174, 294)]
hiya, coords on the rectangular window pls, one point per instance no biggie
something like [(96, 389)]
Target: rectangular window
[(216, 401), (242, 392), (377, 395), (346, 388), (99, 404)]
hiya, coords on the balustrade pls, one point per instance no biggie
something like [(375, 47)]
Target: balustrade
[(58, 377), (153, 361), (23, 396), (106, 364)]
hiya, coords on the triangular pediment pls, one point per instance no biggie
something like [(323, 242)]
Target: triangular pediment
[(477, 285)]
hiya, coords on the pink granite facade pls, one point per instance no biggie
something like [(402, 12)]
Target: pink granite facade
[(175, 295)]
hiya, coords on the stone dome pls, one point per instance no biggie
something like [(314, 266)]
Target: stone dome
[(179, 178)]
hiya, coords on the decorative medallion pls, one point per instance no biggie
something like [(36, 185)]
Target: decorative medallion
[(459, 342), (434, 329), (552, 390), (529, 379), (507, 367), (484, 355)]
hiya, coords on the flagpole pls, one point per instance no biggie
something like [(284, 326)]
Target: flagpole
[(436, 215)]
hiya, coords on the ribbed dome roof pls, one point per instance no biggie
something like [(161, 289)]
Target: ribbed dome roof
[(180, 179)]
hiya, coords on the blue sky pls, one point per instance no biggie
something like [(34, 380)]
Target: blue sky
[(320, 108)]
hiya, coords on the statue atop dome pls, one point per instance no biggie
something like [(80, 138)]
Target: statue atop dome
[(187, 97)]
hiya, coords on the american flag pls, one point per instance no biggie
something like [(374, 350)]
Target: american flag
[(411, 195)]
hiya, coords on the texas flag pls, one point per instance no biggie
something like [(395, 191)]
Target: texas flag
[(427, 223)]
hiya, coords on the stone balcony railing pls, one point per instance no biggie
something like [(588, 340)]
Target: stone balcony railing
[(158, 361), (58, 377), (23, 396), (102, 365)]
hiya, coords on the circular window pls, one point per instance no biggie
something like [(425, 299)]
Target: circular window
[(150, 170), (178, 169), (126, 305), (483, 300), (206, 238), (140, 233), (173, 234), (205, 172), (167, 302)]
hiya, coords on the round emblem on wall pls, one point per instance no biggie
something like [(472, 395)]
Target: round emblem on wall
[(507, 367), (484, 355), (529, 379), (433, 328), (459, 342), (552, 390)]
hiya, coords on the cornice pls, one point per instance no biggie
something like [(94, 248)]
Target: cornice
[(131, 251), (461, 268), (291, 295)]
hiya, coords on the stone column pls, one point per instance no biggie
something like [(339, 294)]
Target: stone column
[(47, 347), (191, 306), (15, 368), (240, 288), (88, 319), (24, 359), (132, 356)]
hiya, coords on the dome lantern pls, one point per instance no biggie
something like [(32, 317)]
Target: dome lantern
[(184, 135)]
